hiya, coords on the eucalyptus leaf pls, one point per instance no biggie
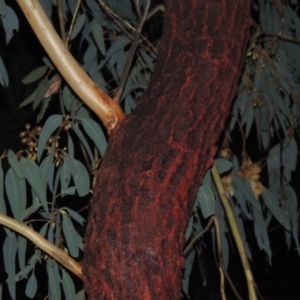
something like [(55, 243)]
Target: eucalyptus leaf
[(71, 236), (35, 75), (205, 197), (31, 173), (31, 287), (68, 285), (95, 132), (10, 23), (271, 201)]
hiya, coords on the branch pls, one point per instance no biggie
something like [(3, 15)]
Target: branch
[(235, 231), (131, 53), (198, 235), (98, 101), (58, 254)]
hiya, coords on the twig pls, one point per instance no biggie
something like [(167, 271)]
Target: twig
[(137, 8), (61, 20), (198, 235), (131, 53), (114, 16), (155, 10), (73, 21), (55, 252), (231, 283), (220, 256), (235, 232)]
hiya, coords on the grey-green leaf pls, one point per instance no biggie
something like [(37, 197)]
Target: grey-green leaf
[(223, 165), (271, 202), (68, 285), (205, 197), (16, 193), (95, 132), (54, 281), (70, 236), (78, 25), (98, 36), (31, 286), (10, 23), (14, 163), (80, 177), (31, 173), (35, 74)]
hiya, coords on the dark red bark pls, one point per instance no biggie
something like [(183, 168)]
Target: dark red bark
[(157, 157)]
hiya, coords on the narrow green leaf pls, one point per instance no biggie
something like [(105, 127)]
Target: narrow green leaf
[(80, 295), (223, 165), (98, 36), (205, 197), (35, 75), (54, 281), (78, 25), (44, 229), (77, 217), (68, 285), (22, 247), (84, 142), (51, 124), (9, 255), (95, 132), (31, 286), (31, 173), (69, 232), (10, 23), (10, 247), (30, 210), (65, 174), (81, 177), (14, 163), (44, 170), (2, 201), (40, 92), (272, 204), (69, 191), (23, 273), (17, 199)]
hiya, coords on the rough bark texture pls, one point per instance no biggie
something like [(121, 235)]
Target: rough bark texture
[(157, 157)]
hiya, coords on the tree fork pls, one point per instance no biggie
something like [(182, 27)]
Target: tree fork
[(157, 157)]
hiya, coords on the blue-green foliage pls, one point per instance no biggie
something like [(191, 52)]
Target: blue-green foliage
[(266, 107), (266, 111)]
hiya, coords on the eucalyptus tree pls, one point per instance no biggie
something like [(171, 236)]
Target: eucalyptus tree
[(163, 139)]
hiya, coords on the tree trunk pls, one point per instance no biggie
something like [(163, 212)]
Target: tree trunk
[(157, 157)]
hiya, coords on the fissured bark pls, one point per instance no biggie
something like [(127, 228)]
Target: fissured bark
[(156, 158)]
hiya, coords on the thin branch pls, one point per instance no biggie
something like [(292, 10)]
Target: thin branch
[(114, 16), (61, 20), (99, 102), (55, 252), (155, 10), (198, 235), (231, 283), (235, 232), (220, 257), (137, 8), (73, 21), (131, 53)]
